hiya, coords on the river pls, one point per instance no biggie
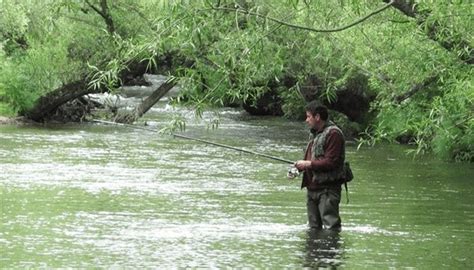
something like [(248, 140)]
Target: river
[(101, 196)]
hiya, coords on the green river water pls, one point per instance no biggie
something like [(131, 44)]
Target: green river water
[(101, 196)]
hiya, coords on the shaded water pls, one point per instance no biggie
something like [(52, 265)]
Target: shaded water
[(105, 196)]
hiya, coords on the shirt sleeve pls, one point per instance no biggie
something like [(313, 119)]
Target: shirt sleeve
[(332, 153)]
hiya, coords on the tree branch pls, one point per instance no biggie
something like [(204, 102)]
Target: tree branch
[(436, 30), (108, 18), (416, 88), (95, 8), (338, 29), (104, 13)]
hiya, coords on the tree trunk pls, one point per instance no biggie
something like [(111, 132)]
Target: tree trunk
[(437, 30), (47, 105), (141, 109)]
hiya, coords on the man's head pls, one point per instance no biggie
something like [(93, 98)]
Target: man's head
[(316, 115)]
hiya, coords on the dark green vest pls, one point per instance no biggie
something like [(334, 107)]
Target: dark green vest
[(335, 176)]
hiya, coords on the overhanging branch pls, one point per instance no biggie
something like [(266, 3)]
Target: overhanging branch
[(338, 29), (436, 30), (416, 88)]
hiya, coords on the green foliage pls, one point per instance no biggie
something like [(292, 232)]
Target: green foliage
[(15, 88), (453, 127), (14, 19), (37, 71), (6, 110), (13, 24), (19, 90), (293, 103)]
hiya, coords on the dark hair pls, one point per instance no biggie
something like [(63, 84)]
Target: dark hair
[(315, 107)]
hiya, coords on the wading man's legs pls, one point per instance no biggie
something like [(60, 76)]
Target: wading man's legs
[(323, 209)]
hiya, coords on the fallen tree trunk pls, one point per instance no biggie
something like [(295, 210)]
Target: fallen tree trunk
[(141, 109), (48, 104)]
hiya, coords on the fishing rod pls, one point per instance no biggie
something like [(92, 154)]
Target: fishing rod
[(200, 140)]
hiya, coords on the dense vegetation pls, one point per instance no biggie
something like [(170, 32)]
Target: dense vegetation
[(401, 70)]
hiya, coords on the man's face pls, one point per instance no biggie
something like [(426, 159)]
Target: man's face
[(312, 120)]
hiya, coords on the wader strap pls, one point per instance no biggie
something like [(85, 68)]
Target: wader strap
[(347, 193)]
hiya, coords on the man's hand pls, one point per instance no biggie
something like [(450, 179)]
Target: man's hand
[(302, 165)]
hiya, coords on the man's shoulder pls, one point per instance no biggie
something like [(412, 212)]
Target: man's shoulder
[(335, 131)]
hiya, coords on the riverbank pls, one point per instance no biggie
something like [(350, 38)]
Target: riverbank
[(6, 120), (17, 120)]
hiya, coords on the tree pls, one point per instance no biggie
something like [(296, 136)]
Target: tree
[(275, 55)]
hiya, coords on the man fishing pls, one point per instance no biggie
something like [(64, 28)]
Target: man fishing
[(323, 168)]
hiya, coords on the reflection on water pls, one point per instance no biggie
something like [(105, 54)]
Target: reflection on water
[(323, 249), (98, 196)]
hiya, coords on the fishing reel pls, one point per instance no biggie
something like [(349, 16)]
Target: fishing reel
[(292, 172)]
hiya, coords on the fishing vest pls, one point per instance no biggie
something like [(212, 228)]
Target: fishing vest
[(335, 176)]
